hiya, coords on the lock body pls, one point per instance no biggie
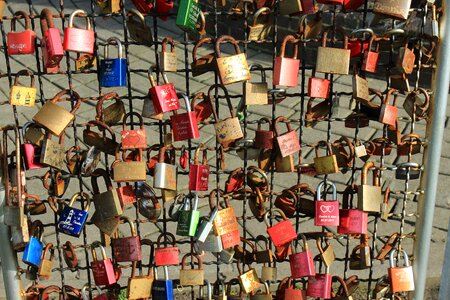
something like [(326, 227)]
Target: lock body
[(127, 249), (352, 221), (319, 286), (33, 252), (164, 98), (285, 71), (113, 72), (162, 289), (318, 87), (302, 264), (53, 117), (198, 177), (79, 40), (21, 42), (184, 126), (52, 49), (72, 221), (233, 68), (32, 155), (103, 272), (187, 16), (327, 213), (52, 154), (165, 176)]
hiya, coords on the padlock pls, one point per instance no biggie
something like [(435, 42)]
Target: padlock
[(21, 42), (284, 164), (191, 276), (144, 6), (126, 194), (282, 232), (293, 7), (400, 82), (232, 68), (266, 295), (112, 114), (326, 255), (20, 236), (55, 118), (227, 130), (204, 109), (72, 219), (351, 221), (78, 39), (260, 31), (248, 280), (109, 6), (288, 142), (138, 28), (168, 60), (2, 8), (344, 157), (213, 243), (318, 112), (133, 138), (184, 125), (199, 172), (406, 59), (166, 256), (414, 106), (189, 216), (432, 26), (369, 196), (164, 96), (162, 289), (188, 13), (52, 50), (23, 95), (286, 69), (343, 291), (149, 206), (264, 138), (256, 93), (129, 171), (107, 204), (401, 278), (113, 71), (205, 227), (318, 87), (205, 63), (230, 291), (33, 133), (287, 291), (103, 269), (319, 286), (246, 256), (99, 140), (265, 255), (350, 5), (333, 60), (31, 151), (393, 9), (45, 268), (287, 202), (53, 153), (165, 173), (327, 212), (408, 170), (85, 62), (325, 164), (225, 222), (360, 88), (302, 263), (99, 296), (141, 286), (370, 59), (410, 144), (361, 258), (127, 248), (33, 250)]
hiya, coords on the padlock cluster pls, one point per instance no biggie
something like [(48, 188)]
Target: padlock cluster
[(146, 177)]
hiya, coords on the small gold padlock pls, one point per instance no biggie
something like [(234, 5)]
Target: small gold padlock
[(325, 164), (23, 95), (259, 31)]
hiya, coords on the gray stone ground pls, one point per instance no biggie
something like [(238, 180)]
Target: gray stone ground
[(140, 57)]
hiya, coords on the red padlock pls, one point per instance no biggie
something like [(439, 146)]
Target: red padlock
[(103, 270), (199, 173), (133, 138), (126, 194), (127, 248), (327, 212), (21, 42), (163, 8), (370, 60), (356, 47), (143, 6), (52, 50), (319, 286), (230, 239), (164, 97), (153, 160), (204, 109), (389, 113), (166, 256), (318, 87), (285, 70), (288, 142), (264, 138), (78, 39), (353, 4), (184, 126), (235, 181), (32, 152), (282, 232), (351, 221), (302, 263)]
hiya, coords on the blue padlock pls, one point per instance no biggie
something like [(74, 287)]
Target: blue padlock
[(33, 250), (162, 289), (72, 219), (113, 71)]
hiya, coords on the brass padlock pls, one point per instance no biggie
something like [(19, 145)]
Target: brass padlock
[(23, 95), (45, 268), (326, 255), (112, 114), (398, 9), (325, 164), (248, 280), (259, 31), (360, 88), (369, 196), (138, 29), (107, 204), (284, 164), (232, 68), (168, 60), (191, 276), (141, 286), (54, 117), (333, 60), (129, 171), (256, 93), (53, 153)]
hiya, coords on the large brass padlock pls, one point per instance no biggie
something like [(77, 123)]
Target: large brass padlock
[(333, 60), (232, 68), (23, 95), (256, 93), (141, 286), (129, 171), (54, 117), (369, 196)]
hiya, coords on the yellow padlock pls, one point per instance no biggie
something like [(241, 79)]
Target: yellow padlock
[(23, 95)]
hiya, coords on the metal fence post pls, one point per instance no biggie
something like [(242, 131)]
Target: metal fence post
[(444, 289), (427, 201)]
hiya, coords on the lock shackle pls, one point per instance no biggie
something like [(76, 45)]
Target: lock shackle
[(129, 115), (103, 126), (150, 258), (251, 170), (281, 119), (291, 39), (48, 249), (201, 42), (113, 41), (202, 27), (407, 165), (371, 41), (166, 235), (197, 154), (98, 244), (82, 195), (99, 105), (81, 13), (226, 39), (61, 138), (287, 195), (305, 243), (227, 97), (265, 120), (19, 15), (393, 32), (388, 96), (425, 106), (25, 73), (349, 191), (250, 244), (354, 33), (134, 154), (161, 154), (411, 138), (72, 95), (50, 290), (123, 220), (216, 287), (71, 289), (217, 193), (193, 204), (344, 141), (165, 41), (365, 171), (258, 13), (30, 124), (323, 144), (37, 229), (46, 20), (186, 102), (208, 290), (259, 67), (319, 189), (94, 180), (196, 256), (264, 239), (270, 212), (337, 30), (134, 12), (343, 286), (319, 244), (84, 289), (392, 255)]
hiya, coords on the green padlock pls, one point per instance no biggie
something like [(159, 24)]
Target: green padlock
[(188, 14), (194, 217), (189, 217)]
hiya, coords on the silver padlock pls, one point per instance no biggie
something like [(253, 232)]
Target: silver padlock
[(206, 226), (212, 243)]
